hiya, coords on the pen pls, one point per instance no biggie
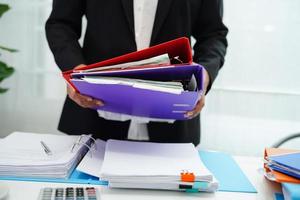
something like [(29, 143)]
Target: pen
[(46, 149)]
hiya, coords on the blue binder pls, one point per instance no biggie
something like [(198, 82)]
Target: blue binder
[(291, 191), (76, 177)]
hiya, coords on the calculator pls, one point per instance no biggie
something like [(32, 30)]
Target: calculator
[(69, 193)]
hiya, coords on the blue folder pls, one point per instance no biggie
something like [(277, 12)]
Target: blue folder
[(289, 161), (229, 174), (76, 177), (291, 191), (278, 196)]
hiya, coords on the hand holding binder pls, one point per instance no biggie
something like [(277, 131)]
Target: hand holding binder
[(144, 102), (82, 100), (200, 104)]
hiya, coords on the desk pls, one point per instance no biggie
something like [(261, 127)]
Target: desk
[(266, 189)]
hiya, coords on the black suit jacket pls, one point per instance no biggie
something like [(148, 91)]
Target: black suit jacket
[(110, 33)]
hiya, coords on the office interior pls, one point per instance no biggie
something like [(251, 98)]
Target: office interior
[(253, 104)]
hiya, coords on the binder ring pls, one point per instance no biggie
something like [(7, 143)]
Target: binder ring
[(90, 137), (79, 140), (82, 143)]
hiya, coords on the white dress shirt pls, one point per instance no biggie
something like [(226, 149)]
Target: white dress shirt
[(144, 16)]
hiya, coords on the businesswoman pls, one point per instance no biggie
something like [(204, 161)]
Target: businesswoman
[(117, 27)]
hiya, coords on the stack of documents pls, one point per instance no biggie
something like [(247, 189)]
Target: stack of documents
[(282, 165), (155, 61), (144, 165), (160, 82), (167, 86), (287, 163), (41, 155)]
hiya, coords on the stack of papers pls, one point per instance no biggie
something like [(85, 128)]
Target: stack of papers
[(154, 61), (94, 75), (288, 164), (168, 86), (23, 155), (282, 165), (144, 165)]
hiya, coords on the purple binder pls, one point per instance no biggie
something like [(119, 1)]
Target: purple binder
[(142, 102)]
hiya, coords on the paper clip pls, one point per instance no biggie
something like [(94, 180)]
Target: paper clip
[(187, 177)]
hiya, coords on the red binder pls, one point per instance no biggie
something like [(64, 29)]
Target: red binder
[(179, 47)]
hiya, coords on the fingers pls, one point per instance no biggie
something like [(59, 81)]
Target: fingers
[(193, 113), (86, 102), (82, 100), (79, 66)]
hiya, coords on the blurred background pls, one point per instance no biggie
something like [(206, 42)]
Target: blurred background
[(254, 102)]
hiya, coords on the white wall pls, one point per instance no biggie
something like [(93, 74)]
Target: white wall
[(254, 102), (36, 93), (256, 98)]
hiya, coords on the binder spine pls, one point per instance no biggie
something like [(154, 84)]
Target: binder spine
[(87, 144)]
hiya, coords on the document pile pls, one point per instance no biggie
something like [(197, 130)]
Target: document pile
[(282, 165), (144, 165), (41, 155), (121, 164), (160, 82)]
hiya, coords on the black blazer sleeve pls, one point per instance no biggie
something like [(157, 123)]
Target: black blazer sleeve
[(63, 30), (210, 34)]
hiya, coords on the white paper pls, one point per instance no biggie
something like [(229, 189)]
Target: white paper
[(161, 59), (92, 162), (21, 154), (158, 161), (168, 87)]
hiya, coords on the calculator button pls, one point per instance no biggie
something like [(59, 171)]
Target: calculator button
[(79, 194), (59, 194), (46, 194), (91, 192), (70, 194)]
